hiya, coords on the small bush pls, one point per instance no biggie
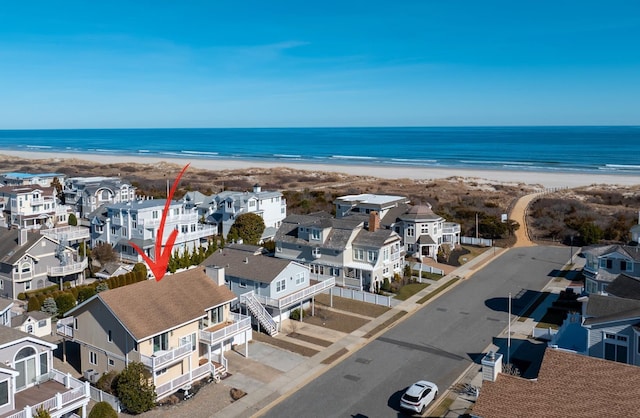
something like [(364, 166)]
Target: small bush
[(103, 410), (65, 302), (296, 314), (33, 305), (108, 382), (22, 296)]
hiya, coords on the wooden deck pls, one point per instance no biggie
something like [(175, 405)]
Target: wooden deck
[(36, 394)]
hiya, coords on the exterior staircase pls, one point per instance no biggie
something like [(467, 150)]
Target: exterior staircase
[(260, 313)]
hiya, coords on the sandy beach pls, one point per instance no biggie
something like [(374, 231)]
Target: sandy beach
[(543, 179)]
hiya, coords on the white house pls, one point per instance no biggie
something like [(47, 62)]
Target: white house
[(32, 207), (28, 179), (86, 194), (423, 232), (139, 221), (222, 209)]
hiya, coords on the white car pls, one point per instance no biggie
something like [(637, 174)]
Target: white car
[(418, 396)]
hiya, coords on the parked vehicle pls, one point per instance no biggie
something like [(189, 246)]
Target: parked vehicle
[(418, 396)]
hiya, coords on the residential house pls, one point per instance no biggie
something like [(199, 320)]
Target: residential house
[(113, 269), (568, 385), (422, 232), (36, 322), (138, 222), (268, 287), (86, 194), (30, 260), (32, 207), (354, 250), (178, 327), (28, 379), (29, 179), (603, 263), (222, 209), (366, 203)]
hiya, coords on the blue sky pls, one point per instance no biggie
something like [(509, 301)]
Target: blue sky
[(218, 63)]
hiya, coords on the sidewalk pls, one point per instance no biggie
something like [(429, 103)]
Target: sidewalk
[(267, 395)]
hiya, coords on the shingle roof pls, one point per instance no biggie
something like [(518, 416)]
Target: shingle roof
[(625, 286), (602, 309), (374, 239), (148, 308), (247, 262), (630, 251), (10, 251), (18, 320), (568, 385), (8, 335), (420, 213), (338, 237)]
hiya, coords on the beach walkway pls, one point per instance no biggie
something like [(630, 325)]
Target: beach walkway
[(519, 214)]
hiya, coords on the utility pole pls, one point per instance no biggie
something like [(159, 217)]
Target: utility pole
[(509, 333), (476, 226)]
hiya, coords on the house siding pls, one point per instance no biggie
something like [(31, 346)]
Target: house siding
[(596, 333)]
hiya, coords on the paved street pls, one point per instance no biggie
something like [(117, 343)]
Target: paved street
[(436, 343)]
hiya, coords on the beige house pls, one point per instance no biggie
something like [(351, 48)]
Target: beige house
[(178, 327), (37, 323)]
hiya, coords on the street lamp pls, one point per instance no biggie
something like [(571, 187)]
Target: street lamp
[(571, 257)]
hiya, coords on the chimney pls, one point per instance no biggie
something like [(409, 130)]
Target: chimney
[(257, 188), (491, 366), (216, 273), (22, 237), (374, 221)]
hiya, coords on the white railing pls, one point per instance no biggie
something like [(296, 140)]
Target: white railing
[(64, 327), (167, 357), (192, 236), (68, 269), (451, 228), (100, 396), (69, 232), (476, 241), (543, 333), (362, 296), (180, 381), (259, 311), (298, 296), (78, 391), (240, 323)]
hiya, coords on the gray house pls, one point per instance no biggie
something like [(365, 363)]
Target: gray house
[(29, 260), (268, 287), (604, 263)]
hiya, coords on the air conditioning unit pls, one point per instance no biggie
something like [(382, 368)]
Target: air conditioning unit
[(94, 377), (88, 373)]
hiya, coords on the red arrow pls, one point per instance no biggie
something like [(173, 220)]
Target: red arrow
[(159, 266)]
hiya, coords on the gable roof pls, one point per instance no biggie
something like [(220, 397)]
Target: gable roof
[(247, 262), (602, 309), (10, 335), (10, 251), (420, 213), (625, 286), (18, 320), (149, 307), (568, 385), (628, 251)]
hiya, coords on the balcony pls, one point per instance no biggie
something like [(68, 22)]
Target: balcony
[(69, 233), (164, 358), (451, 228), (61, 271), (299, 296), (221, 332), (173, 385), (56, 392), (64, 327)]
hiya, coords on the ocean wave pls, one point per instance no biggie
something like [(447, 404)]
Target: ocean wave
[(352, 157), (412, 160), (622, 167), (39, 146), (199, 152), (295, 156), (484, 162)]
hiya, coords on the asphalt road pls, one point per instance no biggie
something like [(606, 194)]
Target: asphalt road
[(437, 343)]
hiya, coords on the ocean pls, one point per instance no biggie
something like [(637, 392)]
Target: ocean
[(576, 149)]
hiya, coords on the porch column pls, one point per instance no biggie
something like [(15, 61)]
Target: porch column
[(301, 314)]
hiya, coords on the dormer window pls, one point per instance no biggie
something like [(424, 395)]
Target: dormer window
[(315, 234)]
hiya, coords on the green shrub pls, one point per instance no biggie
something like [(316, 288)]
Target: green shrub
[(85, 293), (103, 410), (33, 305), (296, 314), (65, 302), (386, 285), (108, 382), (135, 391), (22, 296)]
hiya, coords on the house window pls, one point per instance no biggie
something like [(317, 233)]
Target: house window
[(243, 283), (358, 254), (1, 284), (161, 371), (372, 256), (93, 358), (109, 336), (75, 323), (609, 263), (44, 363), (385, 253), (252, 203), (281, 285), (615, 347), (190, 340), (124, 231), (111, 362), (410, 231), (25, 268), (27, 285), (29, 329), (113, 230), (4, 393), (315, 234), (42, 323), (300, 278), (161, 342), (424, 229)]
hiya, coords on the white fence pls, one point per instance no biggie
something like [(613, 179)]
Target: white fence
[(418, 267), (482, 242), (361, 296), (99, 396), (543, 333)]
